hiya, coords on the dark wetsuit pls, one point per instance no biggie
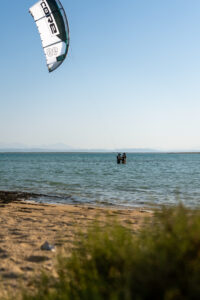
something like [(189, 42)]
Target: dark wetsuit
[(119, 158)]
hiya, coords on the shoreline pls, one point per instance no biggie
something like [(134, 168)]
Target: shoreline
[(26, 225), (15, 196)]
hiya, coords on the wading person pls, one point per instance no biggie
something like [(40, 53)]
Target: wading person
[(119, 158), (124, 158)]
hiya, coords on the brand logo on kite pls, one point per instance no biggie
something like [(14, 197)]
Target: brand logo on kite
[(49, 17), (52, 51)]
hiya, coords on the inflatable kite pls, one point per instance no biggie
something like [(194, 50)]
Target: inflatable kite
[(51, 20)]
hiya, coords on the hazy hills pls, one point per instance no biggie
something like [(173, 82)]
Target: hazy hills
[(59, 147), (16, 147)]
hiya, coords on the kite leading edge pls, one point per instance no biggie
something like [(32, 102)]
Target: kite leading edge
[(51, 20)]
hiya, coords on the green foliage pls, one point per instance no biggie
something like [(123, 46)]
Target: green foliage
[(160, 262)]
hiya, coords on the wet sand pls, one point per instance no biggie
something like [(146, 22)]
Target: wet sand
[(25, 226)]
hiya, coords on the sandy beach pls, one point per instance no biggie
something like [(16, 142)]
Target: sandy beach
[(25, 226)]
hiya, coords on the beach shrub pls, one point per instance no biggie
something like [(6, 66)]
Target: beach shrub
[(162, 261)]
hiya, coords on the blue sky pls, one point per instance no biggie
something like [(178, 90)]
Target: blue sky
[(131, 79)]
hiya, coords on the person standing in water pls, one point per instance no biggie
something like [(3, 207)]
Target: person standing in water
[(119, 158), (124, 158)]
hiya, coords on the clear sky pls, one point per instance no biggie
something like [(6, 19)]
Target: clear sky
[(131, 78)]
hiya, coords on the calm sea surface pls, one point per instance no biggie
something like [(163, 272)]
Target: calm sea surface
[(95, 178)]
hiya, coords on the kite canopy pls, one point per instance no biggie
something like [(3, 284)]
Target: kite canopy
[(52, 24)]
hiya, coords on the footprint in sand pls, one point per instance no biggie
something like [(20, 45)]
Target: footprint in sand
[(3, 254), (37, 258)]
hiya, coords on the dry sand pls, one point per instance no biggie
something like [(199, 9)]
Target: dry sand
[(25, 226)]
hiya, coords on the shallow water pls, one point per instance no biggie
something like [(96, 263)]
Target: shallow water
[(95, 178)]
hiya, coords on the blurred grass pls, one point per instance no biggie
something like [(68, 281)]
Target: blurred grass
[(161, 261)]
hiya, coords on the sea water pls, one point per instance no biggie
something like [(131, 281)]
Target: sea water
[(96, 178)]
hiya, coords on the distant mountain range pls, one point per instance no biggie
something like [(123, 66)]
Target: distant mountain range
[(59, 147), (15, 147), (63, 148)]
